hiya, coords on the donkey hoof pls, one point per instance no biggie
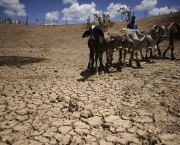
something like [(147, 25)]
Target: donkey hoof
[(159, 54), (120, 63), (173, 58), (138, 64), (164, 56), (111, 64), (92, 71)]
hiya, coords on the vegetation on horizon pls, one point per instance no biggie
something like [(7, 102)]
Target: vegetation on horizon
[(125, 11), (103, 21)]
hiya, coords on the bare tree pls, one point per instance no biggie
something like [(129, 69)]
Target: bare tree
[(53, 21), (26, 21), (145, 14), (125, 11), (88, 24), (104, 21), (5, 20), (37, 21), (66, 21), (56, 22), (9, 20), (43, 21)]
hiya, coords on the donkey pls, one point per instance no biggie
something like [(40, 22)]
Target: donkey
[(117, 40), (173, 35), (97, 46)]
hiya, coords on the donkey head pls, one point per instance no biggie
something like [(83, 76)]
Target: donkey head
[(94, 31), (159, 31)]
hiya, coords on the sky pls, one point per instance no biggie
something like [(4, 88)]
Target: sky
[(77, 11)]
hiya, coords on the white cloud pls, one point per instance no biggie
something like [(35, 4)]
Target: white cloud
[(52, 15), (80, 12), (69, 1), (9, 13), (146, 5), (112, 9), (21, 13), (13, 7), (176, 7), (163, 10), (150, 6)]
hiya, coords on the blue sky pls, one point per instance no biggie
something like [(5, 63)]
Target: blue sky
[(77, 11)]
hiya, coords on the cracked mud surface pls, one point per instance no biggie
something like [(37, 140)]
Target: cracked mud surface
[(47, 97)]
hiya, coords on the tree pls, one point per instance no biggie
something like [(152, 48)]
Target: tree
[(145, 14), (88, 23), (1, 20), (125, 11), (9, 20), (55, 22), (66, 21), (5, 20), (43, 21), (37, 21), (104, 21), (26, 21)]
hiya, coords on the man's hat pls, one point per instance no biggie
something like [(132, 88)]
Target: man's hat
[(133, 17)]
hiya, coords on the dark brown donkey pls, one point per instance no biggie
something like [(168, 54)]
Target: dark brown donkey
[(97, 45)]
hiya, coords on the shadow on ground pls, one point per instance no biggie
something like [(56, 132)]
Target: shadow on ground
[(85, 75), (18, 60)]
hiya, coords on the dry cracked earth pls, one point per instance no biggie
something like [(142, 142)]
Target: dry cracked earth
[(47, 97)]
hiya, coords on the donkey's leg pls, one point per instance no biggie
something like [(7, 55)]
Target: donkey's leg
[(111, 57), (158, 49), (137, 60), (120, 56), (96, 60), (107, 61), (142, 57), (169, 46), (92, 61), (172, 49), (151, 52), (131, 57), (146, 57), (88, 67), (124, 59), (100, 60), (172, 54)]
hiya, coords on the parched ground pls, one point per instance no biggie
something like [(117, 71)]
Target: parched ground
[(47, 97)]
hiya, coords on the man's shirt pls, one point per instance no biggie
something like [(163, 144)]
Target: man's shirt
[(132, 25)]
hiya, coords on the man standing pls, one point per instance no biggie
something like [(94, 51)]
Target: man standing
[(132, 24)]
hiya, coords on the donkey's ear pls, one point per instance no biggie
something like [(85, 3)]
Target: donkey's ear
[(86, 33), (101, 33), (155, 27)]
